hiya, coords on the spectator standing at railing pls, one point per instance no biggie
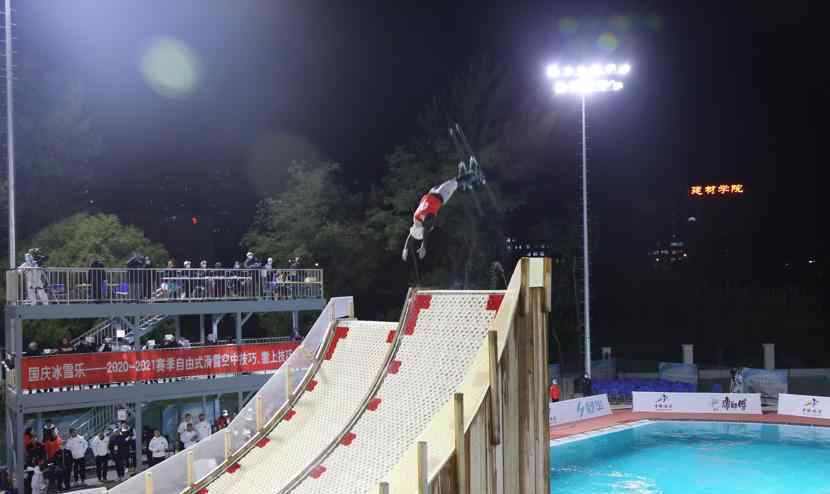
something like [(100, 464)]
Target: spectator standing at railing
[(188, 420), (33, 350), (189, 437), (158, 448), (66, 346), (101, 448), (96, 279), (251, 262), (135, 283), (77, 445), (223, 420), (33, 278), (106, 346), (202, 428), (87, 345)]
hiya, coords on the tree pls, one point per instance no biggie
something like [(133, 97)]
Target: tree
[(75, 240), (315, 219), (72, 243)]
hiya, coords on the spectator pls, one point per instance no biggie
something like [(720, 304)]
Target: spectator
[(134, 277), (64, 461), (96, 279), (35, 292), (129, 436), (33, 351), (223, 420), (48, 427), (236, 265), (586, 385), (188, 420), (77, 445), (36, 452), (38, 481), (158, 448), (202, 428), (100, 448), (251, 262), (52, 443), (87, 345), (120, 451), (555, 391), (189, 437), (66, 346), (106, 346), (28, 437)]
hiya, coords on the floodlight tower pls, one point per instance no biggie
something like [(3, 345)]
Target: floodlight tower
[(582, 80)]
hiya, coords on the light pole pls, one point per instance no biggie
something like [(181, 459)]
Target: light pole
[(10, 129), (583, 80)]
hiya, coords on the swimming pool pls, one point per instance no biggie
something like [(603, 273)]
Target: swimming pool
[(695, 458)]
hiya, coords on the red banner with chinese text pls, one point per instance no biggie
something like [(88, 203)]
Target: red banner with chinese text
[(84, 369)]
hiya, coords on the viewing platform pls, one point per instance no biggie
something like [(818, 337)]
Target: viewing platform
[(58, 293)]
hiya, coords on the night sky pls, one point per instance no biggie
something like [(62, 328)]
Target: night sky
[(720, 92)]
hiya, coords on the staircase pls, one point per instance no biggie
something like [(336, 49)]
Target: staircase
[(108, 328)]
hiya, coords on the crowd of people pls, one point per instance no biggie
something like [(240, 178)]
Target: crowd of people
[(56, 464), (173, 282)]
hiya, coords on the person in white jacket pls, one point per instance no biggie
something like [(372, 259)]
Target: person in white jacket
[(38, 481), (77, 445), (100, 445), (202, 427), (189, 437), (158, 448)]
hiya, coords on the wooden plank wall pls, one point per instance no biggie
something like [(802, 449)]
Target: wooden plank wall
[(512, 458)]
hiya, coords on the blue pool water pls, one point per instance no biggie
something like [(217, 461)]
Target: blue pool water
[(695, 458)]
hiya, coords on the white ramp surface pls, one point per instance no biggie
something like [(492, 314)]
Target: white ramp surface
[(443, 332), (351, 365)]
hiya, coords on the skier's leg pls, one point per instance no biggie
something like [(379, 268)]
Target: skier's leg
[(405, 251), (445, 190)]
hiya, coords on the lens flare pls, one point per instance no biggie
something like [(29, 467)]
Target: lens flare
[(608, 42), (170, 67), (568, 26)]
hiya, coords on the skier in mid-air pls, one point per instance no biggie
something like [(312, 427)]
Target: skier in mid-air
[(423, 220)]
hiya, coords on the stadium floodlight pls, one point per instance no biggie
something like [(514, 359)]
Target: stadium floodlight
[(582, 81), (553, 71)]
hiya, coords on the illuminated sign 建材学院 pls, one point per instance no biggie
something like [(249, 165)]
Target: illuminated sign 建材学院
[(716, 190)]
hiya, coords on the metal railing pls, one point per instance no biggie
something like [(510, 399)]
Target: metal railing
[(109, 328), (29, 286)]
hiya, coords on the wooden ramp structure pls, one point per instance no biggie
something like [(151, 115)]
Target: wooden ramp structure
[(452, 398)]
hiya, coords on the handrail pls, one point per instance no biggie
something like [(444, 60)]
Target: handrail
[(167, 475), (382, 373), (65, 285)]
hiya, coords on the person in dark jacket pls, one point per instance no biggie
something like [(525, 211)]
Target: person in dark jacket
[(120, 452), (63, 460), (96, 279), (135, 281)]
